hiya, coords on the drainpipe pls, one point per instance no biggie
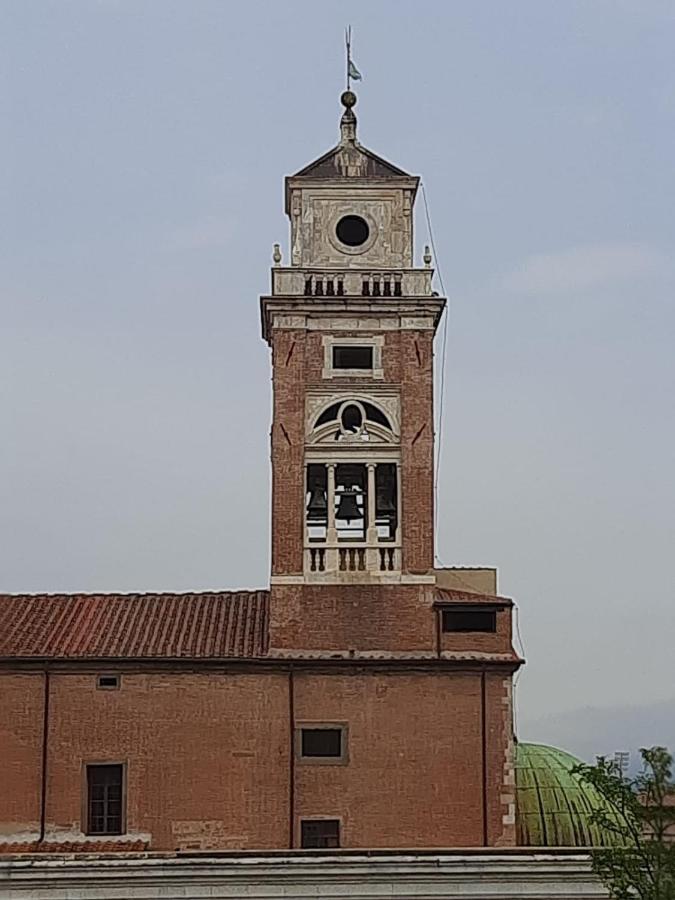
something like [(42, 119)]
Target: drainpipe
[(45, 745)]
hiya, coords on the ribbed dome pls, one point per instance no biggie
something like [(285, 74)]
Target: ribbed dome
[(553, 805)]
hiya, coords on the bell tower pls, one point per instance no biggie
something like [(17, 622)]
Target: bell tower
[(351, 323)]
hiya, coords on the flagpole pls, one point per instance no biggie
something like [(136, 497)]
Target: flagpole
[(348, 42)]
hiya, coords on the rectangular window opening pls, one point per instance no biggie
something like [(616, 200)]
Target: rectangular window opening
[(104, 799), (352, 357), (108, 682), (322, 743), (469, 620), (320, 834)]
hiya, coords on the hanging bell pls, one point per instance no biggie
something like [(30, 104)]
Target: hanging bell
[(317, 508), (347, 507)]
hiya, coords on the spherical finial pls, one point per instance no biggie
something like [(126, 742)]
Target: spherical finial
[(348, 99)]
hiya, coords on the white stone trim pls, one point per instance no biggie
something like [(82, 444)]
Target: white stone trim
[(403, 875), (417, 323), (374, 341), (294, 322)]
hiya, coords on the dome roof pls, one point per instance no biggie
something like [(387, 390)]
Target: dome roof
[(554, 806)]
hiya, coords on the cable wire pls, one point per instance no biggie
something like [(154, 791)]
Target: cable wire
[(444, 344)]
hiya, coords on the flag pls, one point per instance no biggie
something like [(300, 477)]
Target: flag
[(354, 72)]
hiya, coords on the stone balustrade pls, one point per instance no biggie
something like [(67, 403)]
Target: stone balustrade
[(341, 283)]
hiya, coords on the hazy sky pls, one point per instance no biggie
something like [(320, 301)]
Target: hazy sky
[(142, 156)]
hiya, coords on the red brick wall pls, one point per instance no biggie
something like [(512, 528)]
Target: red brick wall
[(414, 775), (499, 641), (361, 617), (500, 750), (288, 451), (417, 450), (208, 756), (21, 718), (298, 358)]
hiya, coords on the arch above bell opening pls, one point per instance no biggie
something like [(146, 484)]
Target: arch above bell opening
[(316, 404)]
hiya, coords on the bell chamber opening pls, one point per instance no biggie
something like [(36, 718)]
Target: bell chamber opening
[(351, 502)]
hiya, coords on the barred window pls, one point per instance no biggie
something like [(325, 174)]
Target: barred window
[(320, 834), (104, 799)]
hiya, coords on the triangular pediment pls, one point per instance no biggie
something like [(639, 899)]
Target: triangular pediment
[(351, 160)]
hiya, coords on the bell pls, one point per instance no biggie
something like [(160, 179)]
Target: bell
[(317, 508), (347, 507)]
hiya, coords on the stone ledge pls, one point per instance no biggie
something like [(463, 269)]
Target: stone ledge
[(484, 874)]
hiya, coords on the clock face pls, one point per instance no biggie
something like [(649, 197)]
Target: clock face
[(352, 231)]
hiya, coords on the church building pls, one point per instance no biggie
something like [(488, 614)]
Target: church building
[(363, 699)]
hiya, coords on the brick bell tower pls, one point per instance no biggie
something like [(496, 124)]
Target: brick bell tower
[(351, 323)]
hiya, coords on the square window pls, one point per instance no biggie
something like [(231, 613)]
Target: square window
[(321, 742), (319, 833), (352, 357), (463, 620), (104, 799)]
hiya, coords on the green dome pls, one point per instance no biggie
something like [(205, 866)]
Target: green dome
[(553, 805)]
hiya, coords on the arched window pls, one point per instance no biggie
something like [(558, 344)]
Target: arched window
[(352, 420)]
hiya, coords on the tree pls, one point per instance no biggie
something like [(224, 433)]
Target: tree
[(639, 818)]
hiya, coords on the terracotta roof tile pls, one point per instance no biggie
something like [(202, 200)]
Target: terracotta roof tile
[(448, 595), (82, 846), (212, 625)]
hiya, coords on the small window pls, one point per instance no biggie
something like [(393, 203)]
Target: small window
[(108, 682), (320, 833), (321, 742), (469, 620), (352, 357), (104, 799)]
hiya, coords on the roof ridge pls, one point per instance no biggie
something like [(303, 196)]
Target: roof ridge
[(130, 594)]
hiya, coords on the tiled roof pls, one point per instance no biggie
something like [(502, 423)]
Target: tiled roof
[(213, 625), (94, 846), (449, 595)]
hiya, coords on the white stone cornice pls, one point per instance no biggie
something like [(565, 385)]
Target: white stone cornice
[(481, 875)]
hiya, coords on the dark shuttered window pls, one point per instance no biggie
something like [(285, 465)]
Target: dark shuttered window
[(320, 834)]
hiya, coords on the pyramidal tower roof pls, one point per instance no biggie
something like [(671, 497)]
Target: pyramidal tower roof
[(349, 160)]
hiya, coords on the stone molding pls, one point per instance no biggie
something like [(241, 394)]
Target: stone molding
[(398, 875)]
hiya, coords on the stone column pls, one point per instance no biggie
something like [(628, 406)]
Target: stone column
[(371, 533), (331, 531)]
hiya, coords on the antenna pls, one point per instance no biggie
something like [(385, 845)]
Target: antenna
[(622, 761)]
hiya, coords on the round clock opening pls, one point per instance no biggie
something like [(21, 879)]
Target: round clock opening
[(352, 231)]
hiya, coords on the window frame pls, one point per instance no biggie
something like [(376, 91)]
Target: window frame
[(108, 687), (375, 342), (313, 820), (86, 802), (341, 760)]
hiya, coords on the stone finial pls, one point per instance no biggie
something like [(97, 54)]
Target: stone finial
[(427, 256), (276, 254), (348, 120)]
